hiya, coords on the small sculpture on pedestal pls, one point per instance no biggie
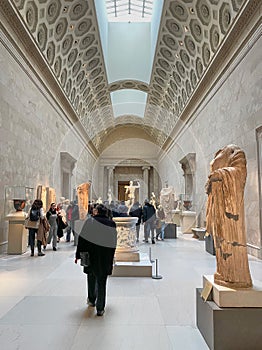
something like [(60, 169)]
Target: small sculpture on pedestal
[(225, 217), (167, 200)]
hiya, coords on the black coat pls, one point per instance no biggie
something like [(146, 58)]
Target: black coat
[(136, 211), (98, 237), (149, 212)]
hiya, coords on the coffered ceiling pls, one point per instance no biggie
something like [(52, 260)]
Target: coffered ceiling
[(67, 34)]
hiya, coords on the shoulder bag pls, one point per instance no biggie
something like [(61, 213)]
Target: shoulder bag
[(31, 224), (85, 262)]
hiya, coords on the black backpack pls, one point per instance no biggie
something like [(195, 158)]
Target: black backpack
[(34, 214)]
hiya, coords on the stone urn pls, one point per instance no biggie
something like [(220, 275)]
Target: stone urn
[(187, 204), (126, 249), (19, 204)]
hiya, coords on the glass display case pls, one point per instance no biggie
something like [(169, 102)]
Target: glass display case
[(18, 198)]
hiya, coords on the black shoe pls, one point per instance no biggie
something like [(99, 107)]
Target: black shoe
[(144, 240), (41, 254), (100, 313), (54, 249), (32, 254), (153, 241), (44, 247)]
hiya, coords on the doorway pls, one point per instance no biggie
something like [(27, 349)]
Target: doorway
[(122, 196)]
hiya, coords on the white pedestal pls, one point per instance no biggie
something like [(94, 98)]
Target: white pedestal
[(228, 297), (141, 268), (176, 217), (127, 249), (188, 221), (17, 233)]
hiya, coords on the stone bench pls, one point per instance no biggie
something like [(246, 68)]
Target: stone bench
[(199, 233)]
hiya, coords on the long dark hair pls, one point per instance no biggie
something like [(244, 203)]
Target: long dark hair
[(37, 204)]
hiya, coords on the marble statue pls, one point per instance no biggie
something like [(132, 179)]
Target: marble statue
[(130, 191), (225, 217), (99, 200), (109, 196), (167, 200), (82, 194), (153, 199)]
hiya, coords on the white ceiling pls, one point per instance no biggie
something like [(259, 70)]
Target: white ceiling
[(167, 65)]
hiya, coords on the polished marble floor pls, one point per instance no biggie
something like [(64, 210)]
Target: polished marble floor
[(43, 301)]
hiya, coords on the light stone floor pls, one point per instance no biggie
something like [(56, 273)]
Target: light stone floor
[(43, 301)]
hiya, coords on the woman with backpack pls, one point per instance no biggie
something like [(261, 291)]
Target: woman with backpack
[(36, 213)]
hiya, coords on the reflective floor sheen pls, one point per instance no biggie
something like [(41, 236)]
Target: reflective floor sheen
[(43, 301)]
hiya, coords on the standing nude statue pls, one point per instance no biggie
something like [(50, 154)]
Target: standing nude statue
[(130, 191), (225, 217)]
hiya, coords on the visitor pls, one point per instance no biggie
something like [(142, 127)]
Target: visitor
[(160, 216), (98, 237), (136, 211), (61, 221), (122, 209), (69, 211), (51, 216), (149, 220), (75, 216), (36, 213)]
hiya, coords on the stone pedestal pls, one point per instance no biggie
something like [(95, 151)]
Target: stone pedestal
[(209, 244), (17, 233), (78, 228), (188, 221), (176, 217), (141, 268), (199, 233), (229, 297), (170, 231), (126, 249), (228, 328)]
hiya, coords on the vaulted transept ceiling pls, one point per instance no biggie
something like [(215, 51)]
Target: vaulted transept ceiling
[(191, 37)]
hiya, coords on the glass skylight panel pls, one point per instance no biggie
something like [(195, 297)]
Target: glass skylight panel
[(129, 10)]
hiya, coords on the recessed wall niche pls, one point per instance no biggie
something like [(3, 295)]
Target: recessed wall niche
[(67, 165)]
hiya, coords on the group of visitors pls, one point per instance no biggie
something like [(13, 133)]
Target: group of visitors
[(151, 216), (50, 227)]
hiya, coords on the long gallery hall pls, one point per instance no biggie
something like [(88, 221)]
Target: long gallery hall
[(149, 112)]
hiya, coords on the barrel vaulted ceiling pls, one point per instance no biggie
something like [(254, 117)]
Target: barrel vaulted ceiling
[(67, 33)]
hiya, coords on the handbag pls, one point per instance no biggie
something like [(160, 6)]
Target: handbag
[(85, 262), (31, 224)]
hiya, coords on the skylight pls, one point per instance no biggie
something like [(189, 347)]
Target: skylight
[(129, 10)]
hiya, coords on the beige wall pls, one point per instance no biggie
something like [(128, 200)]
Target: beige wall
[(229, 115), (33, 133)]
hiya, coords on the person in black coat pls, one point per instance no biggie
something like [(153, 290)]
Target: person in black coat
[(98, 237), (149, 220), (136, 211)]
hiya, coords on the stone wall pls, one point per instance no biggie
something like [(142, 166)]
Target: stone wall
[(34, 132), (231, 113)]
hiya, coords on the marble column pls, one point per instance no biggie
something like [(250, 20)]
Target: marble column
[(145, 182)]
